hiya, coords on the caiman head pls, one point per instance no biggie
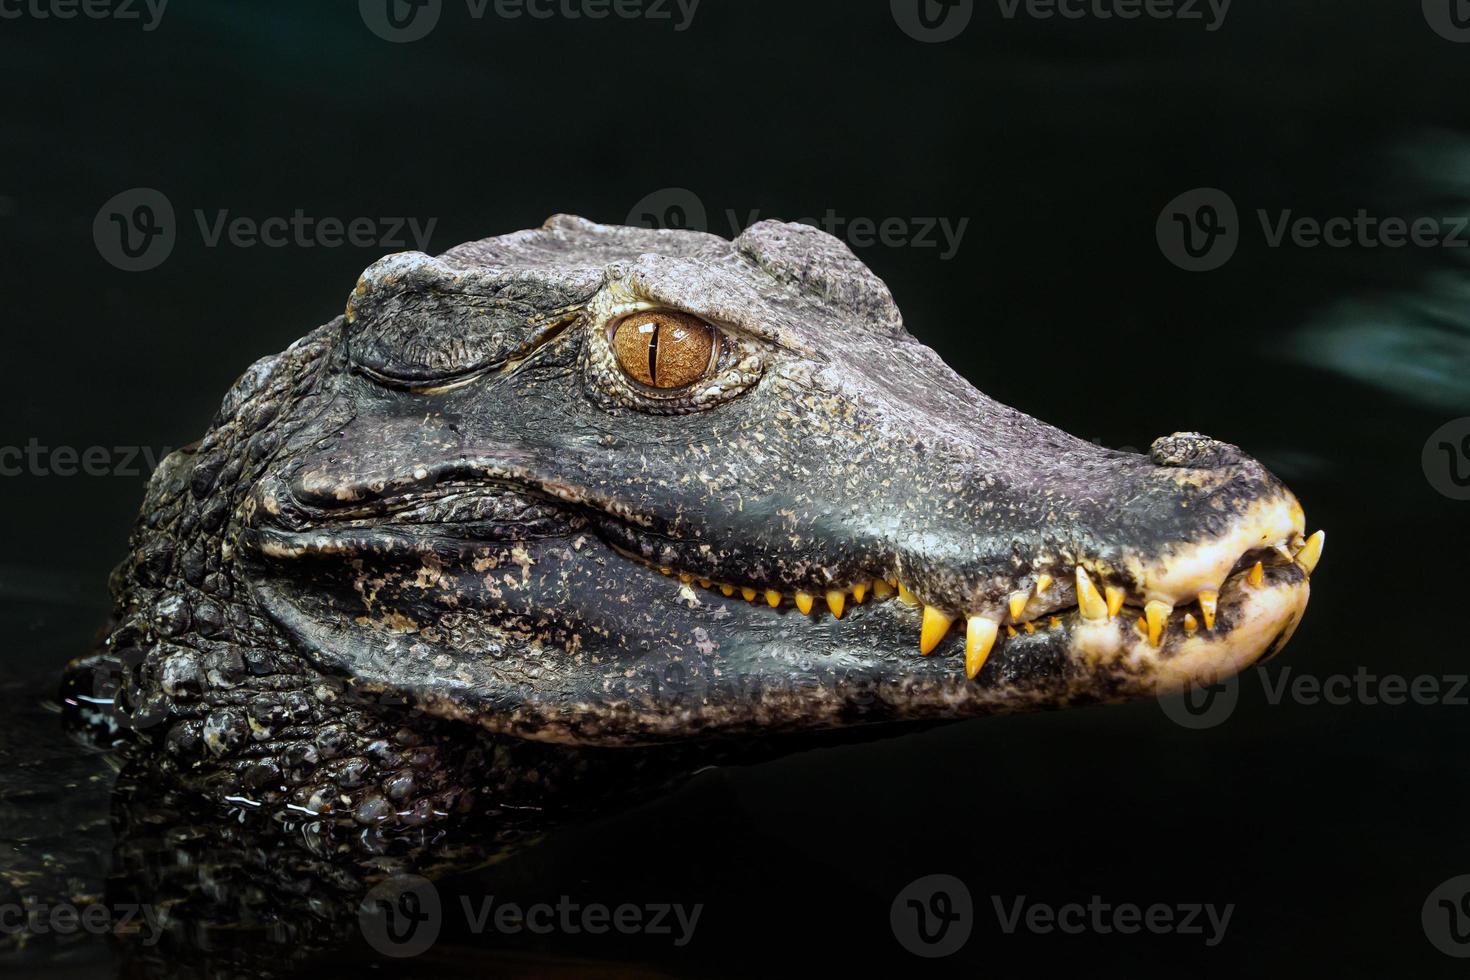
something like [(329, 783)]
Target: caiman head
[(609, 485)]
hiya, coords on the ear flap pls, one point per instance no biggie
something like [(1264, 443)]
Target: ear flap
[(815, 262)]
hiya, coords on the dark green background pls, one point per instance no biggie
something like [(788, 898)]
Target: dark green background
[(1060, 141)]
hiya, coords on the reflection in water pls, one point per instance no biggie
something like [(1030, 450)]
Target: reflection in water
[(1411, 339)]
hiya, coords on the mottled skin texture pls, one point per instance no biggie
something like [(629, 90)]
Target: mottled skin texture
[(414, 566)]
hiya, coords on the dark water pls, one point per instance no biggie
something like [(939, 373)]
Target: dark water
[(1325, 826)]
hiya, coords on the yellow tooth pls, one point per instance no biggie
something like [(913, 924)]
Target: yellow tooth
[(748, 594), (1257, 575), (1043, 582), (835, 601), (881, 589), (936, 624), (979, 639), (804, 602), (773, 599), (727, 589), (1029, 627), (1190, 623), (907, 596), (704, 582), (1141, 625), (1088, 599), (1018, 605), (685, 577), (1054, 622), (858, 591), (1208, 603), (1010, 630), (1115, 599), (1311, 552), (1157, 614), (667, 571)]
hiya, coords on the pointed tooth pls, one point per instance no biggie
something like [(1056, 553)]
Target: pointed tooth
[(936, 624), (804, 602), (1157, 614), (1141, 625), (1208, 602), (685, 577), (1043, 582), (1054, 622), (773, 598), (908, 596), (1311, 552), (1010, 630), (1115, 597), (858, 591), (1018, 604), (748, 594), (1088, 599), (1029, 627), (727, 589), (836, 598), (1190, 623), (1257, 575), (666, 571), (881, 589), (979, 639), (705, 583)]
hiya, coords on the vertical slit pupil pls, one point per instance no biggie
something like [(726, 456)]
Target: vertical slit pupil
[(653, 353)]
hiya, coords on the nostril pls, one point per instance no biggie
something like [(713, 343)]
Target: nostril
[(1193, 450)]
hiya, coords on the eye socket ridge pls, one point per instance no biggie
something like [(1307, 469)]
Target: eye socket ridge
[(664, 351)]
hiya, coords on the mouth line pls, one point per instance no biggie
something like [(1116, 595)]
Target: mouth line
[(443, 517)]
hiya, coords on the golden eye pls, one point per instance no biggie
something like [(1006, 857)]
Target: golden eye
[(664, 349)]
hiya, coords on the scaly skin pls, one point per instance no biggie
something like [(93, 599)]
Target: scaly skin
[(443, 547)]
